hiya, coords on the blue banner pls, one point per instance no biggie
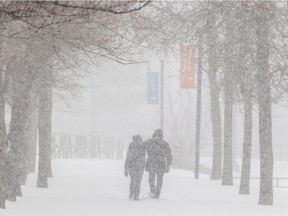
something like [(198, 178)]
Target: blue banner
[(153, 88)]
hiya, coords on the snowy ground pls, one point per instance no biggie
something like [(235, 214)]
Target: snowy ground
[(99, 188)]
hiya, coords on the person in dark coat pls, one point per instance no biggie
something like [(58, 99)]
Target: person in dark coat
[(134, 166), (158, 161)]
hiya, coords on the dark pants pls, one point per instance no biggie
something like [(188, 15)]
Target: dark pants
[(152, 178), (136, 177)]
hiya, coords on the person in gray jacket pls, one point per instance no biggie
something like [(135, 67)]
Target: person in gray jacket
[(158, 161), (134, 166)]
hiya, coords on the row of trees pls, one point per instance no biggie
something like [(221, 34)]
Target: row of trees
[(243, 46), (245, 52), (41, 44), (240, 40), (244, 49)]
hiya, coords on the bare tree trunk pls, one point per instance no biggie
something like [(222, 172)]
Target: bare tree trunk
[(32, 127), (19, 116), (216, 172), (228, 114), (246, 81), (45, 123), (247, 144), (228, 98), (3, 147), (264, 103)]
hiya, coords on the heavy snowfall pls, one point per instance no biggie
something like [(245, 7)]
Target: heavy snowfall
[(151, 108)]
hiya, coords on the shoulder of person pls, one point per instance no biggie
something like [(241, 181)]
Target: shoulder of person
[(147, 141), (165, 142), (131, 145)]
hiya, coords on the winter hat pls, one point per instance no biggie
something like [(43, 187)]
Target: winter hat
[(136, 138), (158, 132)]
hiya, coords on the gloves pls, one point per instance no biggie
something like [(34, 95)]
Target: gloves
[(167, 168), (126, 173)]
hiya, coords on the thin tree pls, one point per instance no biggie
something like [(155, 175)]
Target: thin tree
[(211, 33), (264, 103)]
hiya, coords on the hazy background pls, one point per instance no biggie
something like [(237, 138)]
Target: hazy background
[(114, 104)]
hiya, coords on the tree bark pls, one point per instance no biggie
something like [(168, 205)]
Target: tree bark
[(264, 103), (247, 144), (228, 123), (45, 130), (3, 148), (228, 97), (246, 84), (17, 130), (32, 130), (216, 172)]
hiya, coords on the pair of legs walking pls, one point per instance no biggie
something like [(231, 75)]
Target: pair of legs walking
[(155, 189), (135, 184)]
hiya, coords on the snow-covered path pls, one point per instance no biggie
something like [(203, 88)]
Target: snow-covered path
[(99, 188)]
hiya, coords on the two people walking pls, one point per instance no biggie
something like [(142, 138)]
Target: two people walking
[(159, 159)]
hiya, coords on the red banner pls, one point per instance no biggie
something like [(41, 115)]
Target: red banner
[(187, 67)]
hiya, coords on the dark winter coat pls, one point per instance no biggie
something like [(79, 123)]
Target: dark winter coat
[(135, 159), (159, 155)]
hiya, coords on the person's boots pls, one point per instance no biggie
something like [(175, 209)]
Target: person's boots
[(156, 196), (157, 193), (136, 194), (130, 196), (152, 193)]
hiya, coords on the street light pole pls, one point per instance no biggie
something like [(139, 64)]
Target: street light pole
[(162, 94), (234, 153), (198, 109), (92, 109)]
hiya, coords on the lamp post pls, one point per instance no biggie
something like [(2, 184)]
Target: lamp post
[(198, 108), (234, 153), (162, 57), (162, 94), (92, 109)]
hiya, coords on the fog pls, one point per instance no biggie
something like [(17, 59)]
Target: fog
[(114, 104), (143, 108)]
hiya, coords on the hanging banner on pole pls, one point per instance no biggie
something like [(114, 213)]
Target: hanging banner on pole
[(187, 67), (153, 88)]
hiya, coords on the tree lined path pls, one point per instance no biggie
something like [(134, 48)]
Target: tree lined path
[(98, 187), (46, 48)]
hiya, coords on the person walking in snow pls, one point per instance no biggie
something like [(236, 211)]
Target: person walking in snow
[(158, 161), (134, 166)]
